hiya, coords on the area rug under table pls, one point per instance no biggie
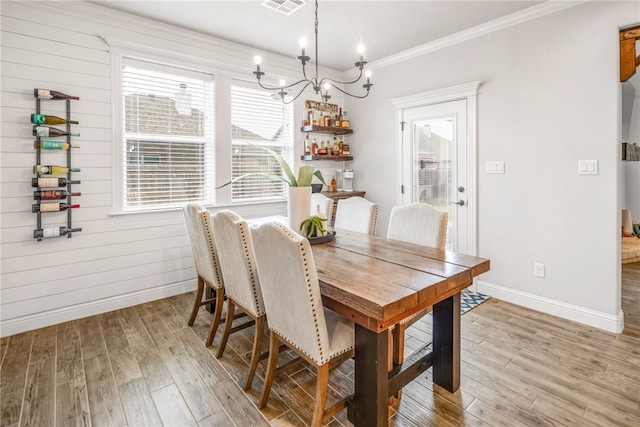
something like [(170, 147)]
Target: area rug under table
[(470, 300)]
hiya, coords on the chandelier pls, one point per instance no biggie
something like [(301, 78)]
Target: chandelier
[(320, 86)]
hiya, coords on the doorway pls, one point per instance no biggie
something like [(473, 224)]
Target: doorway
[(434, 148), (437, 140)]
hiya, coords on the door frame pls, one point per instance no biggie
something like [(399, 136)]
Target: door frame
[(468, 92)]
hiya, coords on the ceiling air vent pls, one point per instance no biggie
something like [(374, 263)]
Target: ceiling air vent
[(286, 7)]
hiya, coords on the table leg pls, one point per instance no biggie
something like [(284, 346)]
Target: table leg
[(446, 343), (209, 293), (370, 404)]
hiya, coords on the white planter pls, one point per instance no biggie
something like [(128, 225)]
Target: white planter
[(298, 206)]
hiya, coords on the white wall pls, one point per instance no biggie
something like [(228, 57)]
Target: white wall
[(116, 261), (551, 96)]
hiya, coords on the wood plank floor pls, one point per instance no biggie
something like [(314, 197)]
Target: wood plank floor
[(142, 366)]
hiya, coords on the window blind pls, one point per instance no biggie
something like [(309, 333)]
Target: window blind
[(167, 136), (258, 119)]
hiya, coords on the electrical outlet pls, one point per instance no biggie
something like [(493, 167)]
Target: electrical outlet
[(538, 269)]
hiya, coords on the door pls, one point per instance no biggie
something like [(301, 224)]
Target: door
[(435, 166)]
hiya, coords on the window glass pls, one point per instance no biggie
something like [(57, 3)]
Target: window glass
[(167, 141), (259, 119)]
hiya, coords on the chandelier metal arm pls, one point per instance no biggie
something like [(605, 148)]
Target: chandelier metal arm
[(367, 86), (298, 95)]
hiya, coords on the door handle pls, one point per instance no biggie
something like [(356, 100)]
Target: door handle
[(459, 202)]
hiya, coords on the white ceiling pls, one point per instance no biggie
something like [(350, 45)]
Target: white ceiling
[(385, 27)]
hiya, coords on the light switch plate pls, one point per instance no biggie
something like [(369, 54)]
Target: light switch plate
[(587, 167), (495, 166)]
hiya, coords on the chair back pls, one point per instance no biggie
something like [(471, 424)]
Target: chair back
[(322, 204), (356, 214), (200, 232), (418, 223), (291, 292), (237, 261)]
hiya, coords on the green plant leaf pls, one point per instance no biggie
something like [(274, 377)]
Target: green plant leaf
[(318, 175), (305, 175), (266, 175), (283, 164)]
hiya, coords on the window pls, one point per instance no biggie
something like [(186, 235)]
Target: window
[(167, 142), (258, 119)]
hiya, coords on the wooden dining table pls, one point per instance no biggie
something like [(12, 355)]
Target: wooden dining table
[(377, 282)]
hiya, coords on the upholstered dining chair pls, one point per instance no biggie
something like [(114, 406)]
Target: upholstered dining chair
[(421, 224), (242, 285), (198, 221), (296, 317), (356, 214), (323, 205)]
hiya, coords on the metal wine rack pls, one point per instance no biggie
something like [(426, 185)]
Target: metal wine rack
[(68, 165)]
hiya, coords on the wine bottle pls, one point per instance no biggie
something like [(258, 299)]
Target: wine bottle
[(52, 170), (51, 182), (53, 195), (53, 145), (41, 119), (51, 94), (49, 131), (52, 207), (53, 232)]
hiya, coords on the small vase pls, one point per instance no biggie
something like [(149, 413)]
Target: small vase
[(298, 206)]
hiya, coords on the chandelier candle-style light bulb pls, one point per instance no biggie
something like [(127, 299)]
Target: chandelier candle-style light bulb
[(258, 60), (319, 85), (326, 88), (361, 52)]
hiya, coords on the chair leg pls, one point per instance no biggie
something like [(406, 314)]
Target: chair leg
[(217, 314), (321, 394), (196, 303), (255, 354), (227, 327), (274, 348)]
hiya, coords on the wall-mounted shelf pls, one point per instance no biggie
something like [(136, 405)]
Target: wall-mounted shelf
[(327, 129), (53, 193), (326, 157)]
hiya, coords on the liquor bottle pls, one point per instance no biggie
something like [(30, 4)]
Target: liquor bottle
[(49, 131), (314, 147), (41, 119), (52, 170), (52, 207), (51, 182), (53, 145), (51, 94), (345, 121), (53, 232), (53, 195), (339, 119), (307, 145), (333, 184)]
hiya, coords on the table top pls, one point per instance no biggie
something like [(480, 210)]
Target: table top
[(377, 282)]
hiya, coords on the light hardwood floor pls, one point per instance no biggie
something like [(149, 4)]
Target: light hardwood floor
[(142, 366)]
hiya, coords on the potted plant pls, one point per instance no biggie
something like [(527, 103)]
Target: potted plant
[(298, 190), (313, 226)]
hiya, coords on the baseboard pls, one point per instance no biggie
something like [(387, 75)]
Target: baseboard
[(586, 316), (60, 315)]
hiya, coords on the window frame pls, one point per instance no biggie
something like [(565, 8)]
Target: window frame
[(119, 180)]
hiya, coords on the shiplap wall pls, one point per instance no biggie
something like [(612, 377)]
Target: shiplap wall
[(116, 261)]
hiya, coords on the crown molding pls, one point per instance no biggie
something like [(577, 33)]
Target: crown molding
[(515, 18)]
